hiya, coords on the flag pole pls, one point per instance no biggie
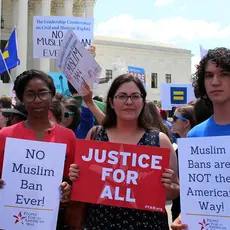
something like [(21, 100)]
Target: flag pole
[(6, 67)]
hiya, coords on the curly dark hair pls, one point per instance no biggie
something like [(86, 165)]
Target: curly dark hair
[(219, 56), (201, 111), (22, 80)]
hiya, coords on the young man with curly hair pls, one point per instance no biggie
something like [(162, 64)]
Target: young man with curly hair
[(212, 82)]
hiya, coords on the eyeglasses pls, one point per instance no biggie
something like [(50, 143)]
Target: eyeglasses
[(135, 97), (30, 97), (68, 114), (175, 117)]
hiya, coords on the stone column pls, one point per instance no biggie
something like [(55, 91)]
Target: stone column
[(89, 8), (58, 7), (78, 8), (20, 20), (56, 10), (68, 7), (45, 11), (30, 59)]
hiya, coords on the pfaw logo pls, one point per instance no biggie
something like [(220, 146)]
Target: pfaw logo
[(19, 218), (204, 225)]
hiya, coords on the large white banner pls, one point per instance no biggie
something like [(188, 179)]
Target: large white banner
[(33, 172), (205, 182), (77, 63), (175, 95), (49, 32)]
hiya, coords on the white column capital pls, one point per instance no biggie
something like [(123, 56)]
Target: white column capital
[(78, 8), (55, 4), (89, 3), (31, 5), (89, 8)]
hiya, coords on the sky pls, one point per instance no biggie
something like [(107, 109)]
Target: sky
[(181, 23)]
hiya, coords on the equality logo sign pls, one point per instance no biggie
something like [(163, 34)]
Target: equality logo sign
[(121, 175), (173, 95), (178, 95)]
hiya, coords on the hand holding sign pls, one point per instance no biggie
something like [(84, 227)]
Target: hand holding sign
[(121, 175), (88, 94), (167, 177), (73, 172), (177, 224), (77, 63), (65, 191)]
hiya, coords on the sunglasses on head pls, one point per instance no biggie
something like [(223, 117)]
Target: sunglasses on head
[(68, 114), (175, 117)]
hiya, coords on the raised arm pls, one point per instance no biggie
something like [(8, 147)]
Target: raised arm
[(88, 100)]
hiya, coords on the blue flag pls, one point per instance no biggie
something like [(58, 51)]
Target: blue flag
[(10, 54)]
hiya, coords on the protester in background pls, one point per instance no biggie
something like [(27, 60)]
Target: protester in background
[(153, 118), (125, 123), (164, 116), (56, 113), (5, 102), (71, 119), (97, 98), (92, 105), (3, 120), (36, 90), (212, 83), (15, 114), (89, 110), (183, 120)]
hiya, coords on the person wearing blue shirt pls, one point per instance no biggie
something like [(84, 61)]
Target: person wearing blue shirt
[(212, 81), (86, 122)]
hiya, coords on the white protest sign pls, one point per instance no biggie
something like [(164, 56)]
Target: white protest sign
[(49, 32), (175, 95), (33, 173), (76, 63), (204, 165)]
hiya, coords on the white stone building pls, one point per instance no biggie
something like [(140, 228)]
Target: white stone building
[(162, 63)]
